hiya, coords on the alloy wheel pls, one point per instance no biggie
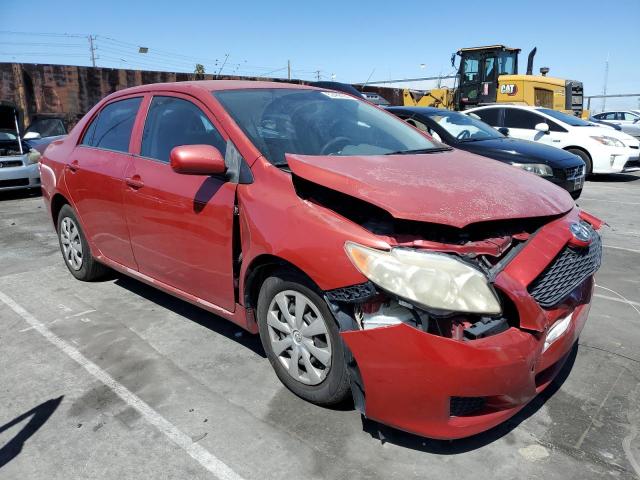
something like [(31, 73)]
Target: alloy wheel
[(71, 243), (299, 337)]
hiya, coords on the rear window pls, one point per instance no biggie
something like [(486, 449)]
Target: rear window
[(111, 129)]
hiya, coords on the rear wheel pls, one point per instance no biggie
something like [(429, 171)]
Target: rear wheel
[(301, 339), (588, 166), (75, 249)]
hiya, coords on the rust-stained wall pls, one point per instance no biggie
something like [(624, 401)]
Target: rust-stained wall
[(72, 90)]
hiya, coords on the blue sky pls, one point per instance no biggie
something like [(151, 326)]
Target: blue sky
[(347, 39)]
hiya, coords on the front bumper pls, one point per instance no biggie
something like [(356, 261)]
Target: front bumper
[(15, 178), (415, 381), (410, 377)]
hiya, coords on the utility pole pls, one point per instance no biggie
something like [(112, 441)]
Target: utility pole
[(318, 75), (606, 79), (289, 69), (226, 57), (92, 49)]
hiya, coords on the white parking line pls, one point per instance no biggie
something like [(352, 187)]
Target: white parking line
[(622, 248), (205, 458)]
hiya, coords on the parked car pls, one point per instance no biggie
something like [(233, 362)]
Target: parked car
[(602, 122), (18, 161), (628, 120), (472, 135), (603, 150), (440, 289)]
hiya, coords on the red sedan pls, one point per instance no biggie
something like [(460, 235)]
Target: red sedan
[(441, 290)]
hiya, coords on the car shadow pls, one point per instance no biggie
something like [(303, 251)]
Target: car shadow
[(39, 415), (19, 194), (454, 447), (613, 178), (195, 314)]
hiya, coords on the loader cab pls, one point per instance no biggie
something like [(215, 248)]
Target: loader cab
[(478, 73)]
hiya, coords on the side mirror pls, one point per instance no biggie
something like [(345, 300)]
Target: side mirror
[(504, 131), (542, 127), (197, 160), (31, 136), (636, 120)]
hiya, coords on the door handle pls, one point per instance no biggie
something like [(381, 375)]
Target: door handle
[(134, 182), (73, 167)]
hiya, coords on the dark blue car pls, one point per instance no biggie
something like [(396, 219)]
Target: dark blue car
[(465, 132)]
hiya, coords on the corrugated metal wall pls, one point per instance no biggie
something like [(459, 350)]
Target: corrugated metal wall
[(72, 90)]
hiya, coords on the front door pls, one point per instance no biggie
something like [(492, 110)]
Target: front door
[(181, 226), (95, 177)]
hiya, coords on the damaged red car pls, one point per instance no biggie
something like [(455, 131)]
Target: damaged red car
[(441, 290)]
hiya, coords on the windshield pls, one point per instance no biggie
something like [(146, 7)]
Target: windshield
[(464, 127), (313, 122), (563, 117)]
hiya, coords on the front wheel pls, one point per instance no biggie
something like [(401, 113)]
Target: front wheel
[(588, 165), (301, 339)]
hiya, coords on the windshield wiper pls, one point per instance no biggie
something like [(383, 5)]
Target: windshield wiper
[(478, 139), (420, 150)]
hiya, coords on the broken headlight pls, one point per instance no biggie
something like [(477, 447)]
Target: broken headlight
[(432, 280)]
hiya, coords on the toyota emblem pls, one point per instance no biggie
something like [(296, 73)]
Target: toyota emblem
[(581, 234)]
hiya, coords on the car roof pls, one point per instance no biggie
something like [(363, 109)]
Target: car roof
[(508, 105), (208, 86), (419, 109)]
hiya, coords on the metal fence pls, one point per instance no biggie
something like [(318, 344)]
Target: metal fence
[(618, 101)]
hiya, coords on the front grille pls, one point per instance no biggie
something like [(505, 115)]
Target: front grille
[(460, 406), (569, 269), (21, 182), (10, 163), (635, 163), (574, 172)]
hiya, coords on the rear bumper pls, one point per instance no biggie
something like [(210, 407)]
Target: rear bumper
[(410, 377), (15, 178)]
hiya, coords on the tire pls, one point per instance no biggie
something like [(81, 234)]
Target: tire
[(588, 165), (75, 249), (321, 379)]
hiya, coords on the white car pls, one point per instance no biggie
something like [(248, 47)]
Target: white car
[(603, 149), (628, 120)]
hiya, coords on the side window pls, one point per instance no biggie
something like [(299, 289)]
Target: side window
[(489, 116), (608, 116), (629, 116), (516, 118), (471, 66), (489, 66), (87, 139), (554, 127), (111, 129), (172, 122)]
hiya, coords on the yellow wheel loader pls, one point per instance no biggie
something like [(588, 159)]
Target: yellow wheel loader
[(488, 75)]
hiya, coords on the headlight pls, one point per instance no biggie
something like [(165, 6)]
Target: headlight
[(537, 168), (33, 156), (609, 141), (433, 280)]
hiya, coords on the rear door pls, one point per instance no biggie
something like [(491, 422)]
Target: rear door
[(521, 124), (95, 174), (181, 225)]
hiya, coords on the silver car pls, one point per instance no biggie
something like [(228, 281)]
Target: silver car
[(18, 161), (628, 120)]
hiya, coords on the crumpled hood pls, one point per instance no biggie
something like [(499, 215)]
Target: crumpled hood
[(451, 188)]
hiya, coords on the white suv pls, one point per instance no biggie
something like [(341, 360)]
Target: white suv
[(603, 149)]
